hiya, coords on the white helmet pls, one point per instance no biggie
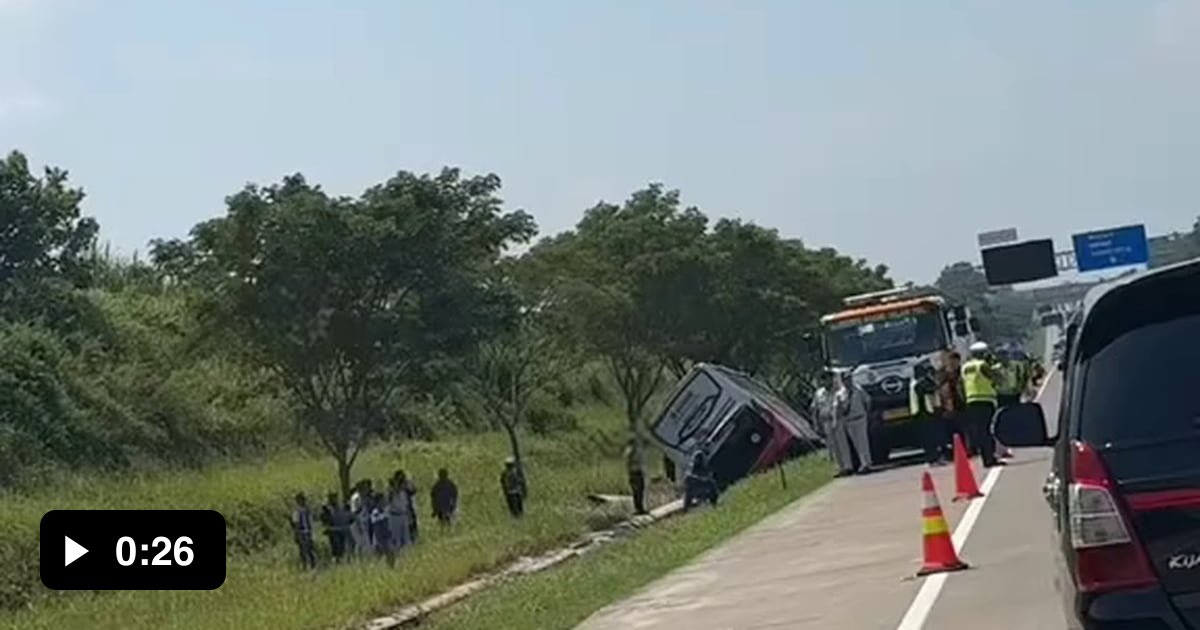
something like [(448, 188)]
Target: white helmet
[(979, 346)]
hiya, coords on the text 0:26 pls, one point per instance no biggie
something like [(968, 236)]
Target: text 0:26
[(127, 551)]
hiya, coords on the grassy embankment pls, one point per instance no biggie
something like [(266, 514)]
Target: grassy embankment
[(564, 596), (265, 589)]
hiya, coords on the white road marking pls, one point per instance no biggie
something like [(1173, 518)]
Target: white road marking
[(923, 603)]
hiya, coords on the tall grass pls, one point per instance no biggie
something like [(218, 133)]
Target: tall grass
[(265, 588)]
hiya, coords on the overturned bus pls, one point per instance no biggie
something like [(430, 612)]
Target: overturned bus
[(742, 425)]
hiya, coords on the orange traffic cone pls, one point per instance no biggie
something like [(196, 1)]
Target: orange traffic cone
[(965, 487), (939, 549)]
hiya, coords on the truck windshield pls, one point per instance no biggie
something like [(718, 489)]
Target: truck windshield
[(854, 342)]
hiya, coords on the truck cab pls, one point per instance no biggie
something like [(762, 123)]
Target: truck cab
[(880, 338)]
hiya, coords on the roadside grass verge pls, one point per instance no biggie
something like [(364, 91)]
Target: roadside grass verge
[(562, 597), (266, 589)]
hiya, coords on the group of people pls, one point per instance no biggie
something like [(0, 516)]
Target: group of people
[(986, 383), (954, 397), (382, 523), (371, 522), (841, 408)]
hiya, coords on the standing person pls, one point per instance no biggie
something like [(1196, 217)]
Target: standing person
[(952, 399), (924, 406), (360, 513), (1008, 389), (381, 532), (410, 490), (1008, 392), (512, 483), (979, 386), (302, 530), (853, 407), (637, 476), (443, 496), (335, 516), (824, 412), (399, 504)]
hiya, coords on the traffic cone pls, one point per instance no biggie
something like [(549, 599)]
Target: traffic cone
[(940, 556), (965, 487)]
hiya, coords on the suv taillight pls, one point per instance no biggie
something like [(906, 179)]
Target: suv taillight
[(1108, 555)]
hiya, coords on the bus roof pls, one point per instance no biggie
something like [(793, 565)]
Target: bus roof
[(877, 309)]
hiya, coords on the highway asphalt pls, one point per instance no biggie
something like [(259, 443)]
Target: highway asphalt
[(845, 557)]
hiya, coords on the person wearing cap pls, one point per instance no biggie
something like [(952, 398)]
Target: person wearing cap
[(979, 385), (512, 483)]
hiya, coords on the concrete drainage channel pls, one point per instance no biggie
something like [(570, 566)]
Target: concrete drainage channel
[(410, 616)]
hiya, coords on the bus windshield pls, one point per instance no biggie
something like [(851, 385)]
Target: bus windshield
[(891, 336)]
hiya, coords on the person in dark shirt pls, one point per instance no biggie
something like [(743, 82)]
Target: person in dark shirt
[(699, 484), (925, 408), (336, 518), (443, 496), (302, 529), (636, 475), (512, 483)]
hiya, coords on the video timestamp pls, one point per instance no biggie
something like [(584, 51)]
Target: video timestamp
[(133, 549)]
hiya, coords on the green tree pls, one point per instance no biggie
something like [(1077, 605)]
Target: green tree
[(1002, 313), (506, 371), (619, 280), (45, 243), (348, 300)]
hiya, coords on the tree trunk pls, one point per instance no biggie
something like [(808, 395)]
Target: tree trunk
[(343, 472), (514, 444)]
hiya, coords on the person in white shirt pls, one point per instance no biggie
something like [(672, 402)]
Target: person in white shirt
[(360, 511), (853, 406), (824, 413)]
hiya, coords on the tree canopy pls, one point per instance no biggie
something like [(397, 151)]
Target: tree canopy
[(361, 318), (348, 300)]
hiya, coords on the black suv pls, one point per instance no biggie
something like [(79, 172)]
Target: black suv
[(1125, 482)]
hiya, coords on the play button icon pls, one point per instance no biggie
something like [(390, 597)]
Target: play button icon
[(73, 551)]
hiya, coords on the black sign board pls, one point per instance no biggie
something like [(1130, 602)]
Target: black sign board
[(1021, 262)]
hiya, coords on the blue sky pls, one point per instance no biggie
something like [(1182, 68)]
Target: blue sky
[(890, 130)]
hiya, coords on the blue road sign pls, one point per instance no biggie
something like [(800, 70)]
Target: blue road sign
[(1116, 247)]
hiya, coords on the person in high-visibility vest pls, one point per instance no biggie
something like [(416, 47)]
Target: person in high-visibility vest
[(924, 405), (979, 385), (1006, 380), (1024, 368)]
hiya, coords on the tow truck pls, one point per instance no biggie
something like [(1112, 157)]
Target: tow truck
[(880, 337)]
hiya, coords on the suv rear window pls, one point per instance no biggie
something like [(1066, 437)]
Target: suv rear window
[(1140, 357)]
